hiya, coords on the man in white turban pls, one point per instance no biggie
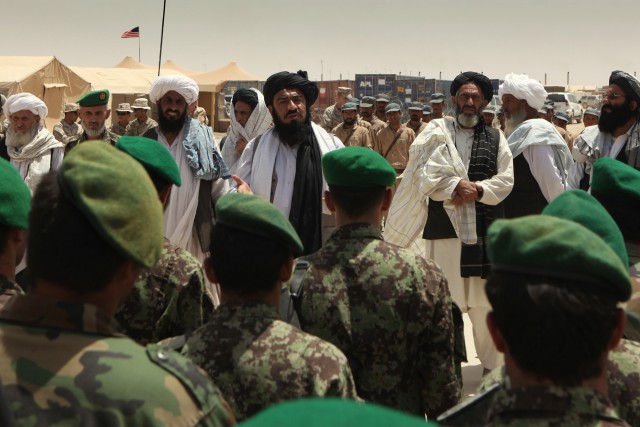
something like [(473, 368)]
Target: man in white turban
[(189, 216), (31, 148), (541, 158)]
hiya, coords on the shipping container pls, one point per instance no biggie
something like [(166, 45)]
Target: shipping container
[(327, 92)]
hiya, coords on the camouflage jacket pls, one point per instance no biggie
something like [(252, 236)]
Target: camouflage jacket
[(118, 129), (633, 251), (331, 118), (107, 136), (63, 131), (8, 289), (167, 300), (135, 128), (389, 311), (63, 363), (258, 360)]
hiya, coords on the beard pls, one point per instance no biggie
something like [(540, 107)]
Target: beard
[(366, 115), (93, 133), (415, 117), (614, 116), (467, 120), (18, 140), (169, 125), (517, 117), (293, 133), (349, 122)]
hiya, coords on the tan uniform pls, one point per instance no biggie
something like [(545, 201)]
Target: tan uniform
[(118, 129), (331, 118), (417, 129), (358, 136), (398, 154), (362, 122), (62, 131), (135, 128), (568, 137)]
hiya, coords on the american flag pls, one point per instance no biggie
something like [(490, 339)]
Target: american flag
[(133, 33)]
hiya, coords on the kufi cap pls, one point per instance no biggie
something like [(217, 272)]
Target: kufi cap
[(545, 246), (346, 91), (349, 106), (142, 103), (183, 85), (427, 109), (284, 79), (357, 167), (333, 412), (116, 195), (125, 107), (26, 102), (254, 215), (437, 98), (367, 101), (522, 87), (382, 97), (472, 77), (592, 111), (581, 207), (153, 156), (390, 108), (15, 196), (629, 84), (415, 106), (70, 107), (94, 98), (489, 110), (562, 116)]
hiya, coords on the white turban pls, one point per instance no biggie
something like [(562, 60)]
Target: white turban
[(26, 101), (522, 87), (181, 84)]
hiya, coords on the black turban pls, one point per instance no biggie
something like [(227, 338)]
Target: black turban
[(472, 77), (247, 96), (284, 80), (629, 84)]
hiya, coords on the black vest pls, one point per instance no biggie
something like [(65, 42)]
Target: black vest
[(526, 198)]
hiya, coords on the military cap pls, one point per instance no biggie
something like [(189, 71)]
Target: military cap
[(499, 111), (544, 246), (382, 97), (353, 100), (15, 196), (115, 194), (489, 110), (437, 98), (592, 112), (70, 107), (367, 101), (415, 106), (254, 215), (548, 105), (333, 412), (561, 116), (342, 90), (141, 103), (94, 98), (427, 109), (629, 84), (124, 107), (153, 156), (357, 167), (349, 106), (392, 107)]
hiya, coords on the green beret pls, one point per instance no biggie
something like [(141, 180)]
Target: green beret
[(15, 196), (115, 193), (357, 167), (583, 208), (153, 156), (254, 215), (332, 412), (541, 245), (94, 98)]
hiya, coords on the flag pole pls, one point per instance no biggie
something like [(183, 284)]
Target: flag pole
[(139, 44), (164, 7)]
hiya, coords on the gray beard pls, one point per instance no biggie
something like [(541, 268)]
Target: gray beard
[(516, 119), (18, 140), (468, 121), (93, 133)]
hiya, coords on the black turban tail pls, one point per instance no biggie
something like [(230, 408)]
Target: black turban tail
[(284, 80), (629, 84), (473, 77), (247, 96)]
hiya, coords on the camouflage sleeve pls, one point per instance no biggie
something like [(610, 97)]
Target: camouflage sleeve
[(129, 131), (624, 377), (330, 372), (325, 121), (58, 133), (497, 376)]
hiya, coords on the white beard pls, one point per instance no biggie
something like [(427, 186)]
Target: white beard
[(18, 140), (512, 123), (94, 133), (468, 121)]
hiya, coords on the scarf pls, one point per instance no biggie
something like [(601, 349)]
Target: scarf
[(202, 156), (37, 155)]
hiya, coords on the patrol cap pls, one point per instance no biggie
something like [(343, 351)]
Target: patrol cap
[(353, 100), (342, 90), (349, 106), (254, 215), (125, 107), (153, 156), (357, 167), (548, 105), (427, 109), (592, 111), (437, 98), (499, 111), (115, 194), (141, 103), (367, 101), (415, 106), (390, 108), (15, 196), (561, 116), (382, 97), (94, 98), (70, 107), (545, 246)]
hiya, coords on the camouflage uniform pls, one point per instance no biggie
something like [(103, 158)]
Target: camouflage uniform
[(398, 156), (389, 311), (107, 136), (416, 129), (358, 136), (85, 373), (8, 289), (135, 128), (331, 117), (258, 360), (168, 300), (362, 122), (118, 129), (63, 131)]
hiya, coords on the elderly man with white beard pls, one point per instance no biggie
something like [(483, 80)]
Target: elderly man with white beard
[(93, 113), (541, 158), (31, 148), (459, 171)]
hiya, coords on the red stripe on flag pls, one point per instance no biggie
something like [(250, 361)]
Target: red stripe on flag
[(133, 33)]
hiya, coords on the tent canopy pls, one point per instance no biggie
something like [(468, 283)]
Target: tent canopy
[(131, 62), (170, 65), (230, 72)]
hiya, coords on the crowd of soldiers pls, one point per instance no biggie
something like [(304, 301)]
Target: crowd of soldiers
[(161, 278)]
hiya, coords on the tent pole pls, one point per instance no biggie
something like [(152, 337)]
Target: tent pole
[(164, 7)]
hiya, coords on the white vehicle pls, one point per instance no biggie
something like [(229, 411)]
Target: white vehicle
[(567, 103), (591, 101)]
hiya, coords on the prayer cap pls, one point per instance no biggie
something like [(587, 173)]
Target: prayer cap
[(332, 412), (125, 107), (415, 106), (26, 102), (545, 246), (346, 91), (427, 109), (357, 167), (153, 156), (592, 111), (617, 186), (183, 85), (382, 97), (286, 80), (254, 215), (562, 116), (367, 101), (349, 106), (70, 107), (390, 108), (15, 196), (141, 103), (437, 98), (629, 84), (115, 194), (472, 77), (522, 87), (94, 98)]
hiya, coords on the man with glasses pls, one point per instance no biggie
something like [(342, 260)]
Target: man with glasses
[(143, 122), (123, 113)]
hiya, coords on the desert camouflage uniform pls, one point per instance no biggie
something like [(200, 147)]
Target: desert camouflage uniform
[(416, 129), (107, 136), (398, 155), (389, 311), (331, 117), (63, 363), (359, 136), (118, 129), (63, 131), (135, 128), (258, 360), (8, 289), (167, 300)]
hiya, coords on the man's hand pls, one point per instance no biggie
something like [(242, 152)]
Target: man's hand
[(466, 191), (243, 187), (241, 143)]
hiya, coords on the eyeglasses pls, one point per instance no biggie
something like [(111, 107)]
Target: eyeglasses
[(613, 96)]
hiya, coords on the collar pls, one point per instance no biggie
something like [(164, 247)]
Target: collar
[(359, 230), (247, 310)]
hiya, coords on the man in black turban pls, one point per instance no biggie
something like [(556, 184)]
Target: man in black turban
[(283, 165)]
